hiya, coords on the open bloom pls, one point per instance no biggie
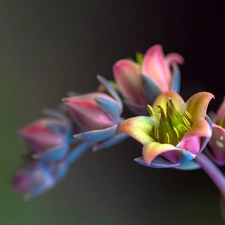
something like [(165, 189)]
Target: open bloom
[(217, 141), (98, 115), (174, 133), (140, 83), (48, 137)]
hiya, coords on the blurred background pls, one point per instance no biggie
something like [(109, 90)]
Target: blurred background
[(48, 48)]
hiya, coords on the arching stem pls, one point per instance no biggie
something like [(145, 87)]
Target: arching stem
[(213, 172)]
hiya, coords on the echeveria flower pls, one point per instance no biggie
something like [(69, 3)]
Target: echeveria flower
[(217, 141), (98, 116), (140, 83), (174, 133), (48, 137)]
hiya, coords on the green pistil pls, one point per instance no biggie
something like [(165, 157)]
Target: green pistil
[(150, 110), (172, 125), (139, 58), (180, 123), (165, 129)]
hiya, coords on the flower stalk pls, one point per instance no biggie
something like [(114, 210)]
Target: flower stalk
[(212, 171)]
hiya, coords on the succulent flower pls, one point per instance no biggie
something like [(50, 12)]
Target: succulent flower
[(48, 137), (174, 133), (98, 116), (140, 83), (217, 141)]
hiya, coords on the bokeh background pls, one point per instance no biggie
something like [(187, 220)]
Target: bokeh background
[(48, 48)]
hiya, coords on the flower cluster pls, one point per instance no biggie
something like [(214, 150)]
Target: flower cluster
[(174, 133)]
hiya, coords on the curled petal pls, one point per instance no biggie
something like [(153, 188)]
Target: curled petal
[(197, 105), (174, 58), (155, 66), (191, 140), (127, 76), (97, 135), (152, 150), (139, 128)]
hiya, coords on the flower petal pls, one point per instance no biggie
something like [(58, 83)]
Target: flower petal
[(158, 162), (197, 105), (151, 88), (115, 139), (192, 138), (88, 114), (53, 154), (175, 80), (155, 66), (191, 165), (110, 107), (127, 76), (97, 135), (110, 89), (152, 150), (174, 58), (163, 99), (139, 128)]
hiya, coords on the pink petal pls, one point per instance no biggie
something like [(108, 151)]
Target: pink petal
[(89, 114), (192, 139), (127, 76), (197, 105), (155, 66), (138, 128), (174, 58), (39, 136)]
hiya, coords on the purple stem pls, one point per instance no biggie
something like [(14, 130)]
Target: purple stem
[(213, 171)]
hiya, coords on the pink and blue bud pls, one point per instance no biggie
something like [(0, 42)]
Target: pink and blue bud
[(98, 116), (37, 176), (174, 133), (49, 137), (140, 83)]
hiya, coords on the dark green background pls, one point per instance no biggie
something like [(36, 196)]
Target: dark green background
[(47, 49)]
